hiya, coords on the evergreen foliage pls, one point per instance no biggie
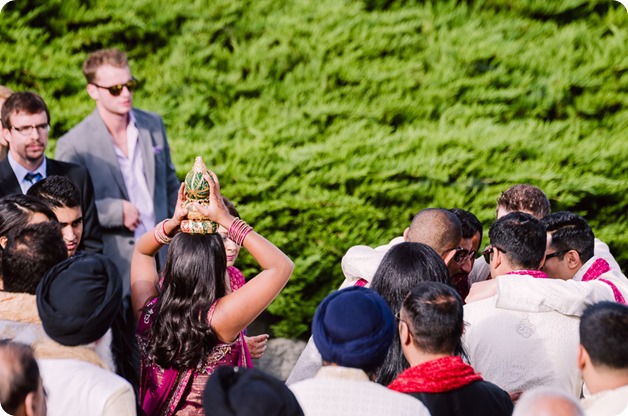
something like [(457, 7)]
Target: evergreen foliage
[(330, 122)]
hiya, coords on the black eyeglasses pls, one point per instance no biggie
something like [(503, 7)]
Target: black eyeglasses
[(116, 90), (556, 254), (489, 250), (26, 131)]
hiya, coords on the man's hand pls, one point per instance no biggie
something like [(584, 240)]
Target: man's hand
[(130, 215), (482, 290), (257, 345)]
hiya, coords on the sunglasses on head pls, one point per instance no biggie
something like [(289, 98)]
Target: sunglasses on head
[(116, 90)]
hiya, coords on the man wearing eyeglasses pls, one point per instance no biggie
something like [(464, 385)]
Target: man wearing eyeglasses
[(127, 154), (514, 349), (25, 126), (579, 276)]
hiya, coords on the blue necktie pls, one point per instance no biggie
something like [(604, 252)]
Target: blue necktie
[(33, 178)]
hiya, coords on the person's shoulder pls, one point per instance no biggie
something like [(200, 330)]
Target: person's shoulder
[(480, 306), (404, 403), (146, 117), (78, 131), (65, 167)]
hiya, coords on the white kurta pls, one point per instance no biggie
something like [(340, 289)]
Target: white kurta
[(78, 388), (569, 297), (520, 350), (606, 403)]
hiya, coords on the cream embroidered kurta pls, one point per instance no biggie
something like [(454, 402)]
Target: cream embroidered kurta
[(349, 392), (521, 350)]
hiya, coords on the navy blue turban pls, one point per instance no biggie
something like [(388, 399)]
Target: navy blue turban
[(354, 327), (78, 299)]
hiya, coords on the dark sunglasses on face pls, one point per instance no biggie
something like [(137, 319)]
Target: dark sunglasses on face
[(116, 90), (488, 251), (462, 255), (555, 254)]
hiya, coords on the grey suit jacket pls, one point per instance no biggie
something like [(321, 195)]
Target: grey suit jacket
[(90, 144)]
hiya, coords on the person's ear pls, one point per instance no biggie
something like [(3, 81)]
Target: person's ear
[(92, 90), (573, 260), (583, 357), (3, 241), (404, 334), (405, 233), (6, 135), (29, 402), (497, 258)]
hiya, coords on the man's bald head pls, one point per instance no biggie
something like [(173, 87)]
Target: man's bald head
[(547, 401), (437, 228)]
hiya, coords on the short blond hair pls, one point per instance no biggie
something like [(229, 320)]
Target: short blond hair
[(113, 56)]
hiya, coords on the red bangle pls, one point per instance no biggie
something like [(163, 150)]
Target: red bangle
[(238, 231)]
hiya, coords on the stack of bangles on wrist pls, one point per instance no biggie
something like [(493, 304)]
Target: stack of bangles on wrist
[(238, 231), (159, 232)]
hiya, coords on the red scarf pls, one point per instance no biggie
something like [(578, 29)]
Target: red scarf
[(436, 376), (598, 268)]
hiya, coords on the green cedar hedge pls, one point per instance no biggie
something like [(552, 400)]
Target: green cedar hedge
[(330, 122)]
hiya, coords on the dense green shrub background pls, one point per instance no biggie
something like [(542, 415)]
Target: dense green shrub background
[(331, 122)]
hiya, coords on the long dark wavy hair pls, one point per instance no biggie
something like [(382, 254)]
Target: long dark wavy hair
[(193, 278), (404, 266)]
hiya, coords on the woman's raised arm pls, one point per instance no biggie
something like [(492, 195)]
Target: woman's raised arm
[(237, 310)]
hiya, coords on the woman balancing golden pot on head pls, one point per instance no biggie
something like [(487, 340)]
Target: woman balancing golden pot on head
[(189, 325)]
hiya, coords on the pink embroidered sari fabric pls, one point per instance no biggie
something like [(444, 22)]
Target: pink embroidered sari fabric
[(169, 391)]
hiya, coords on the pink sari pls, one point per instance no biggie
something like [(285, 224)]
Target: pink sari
[(164, 391)]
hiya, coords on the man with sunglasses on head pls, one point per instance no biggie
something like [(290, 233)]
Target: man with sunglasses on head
[(25, 126), (127, 154), (514, 349)]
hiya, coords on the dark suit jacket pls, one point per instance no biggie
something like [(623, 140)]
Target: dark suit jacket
[(92, 237)]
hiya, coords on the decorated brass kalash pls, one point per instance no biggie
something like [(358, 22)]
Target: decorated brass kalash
[(197, 190)]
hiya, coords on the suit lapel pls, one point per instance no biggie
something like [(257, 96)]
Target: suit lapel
[(103, 145), (8, 181), (148, 152)]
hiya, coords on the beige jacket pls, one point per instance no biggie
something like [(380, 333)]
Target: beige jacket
[(19, 321)]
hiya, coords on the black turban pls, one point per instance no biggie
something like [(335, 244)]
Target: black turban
[(233, 391), (78, 299)]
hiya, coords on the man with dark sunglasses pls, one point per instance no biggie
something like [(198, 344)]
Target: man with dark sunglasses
[(515, 349), (437, 228), (25, 126), (469, 245), (579, 276), (127, 154)]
